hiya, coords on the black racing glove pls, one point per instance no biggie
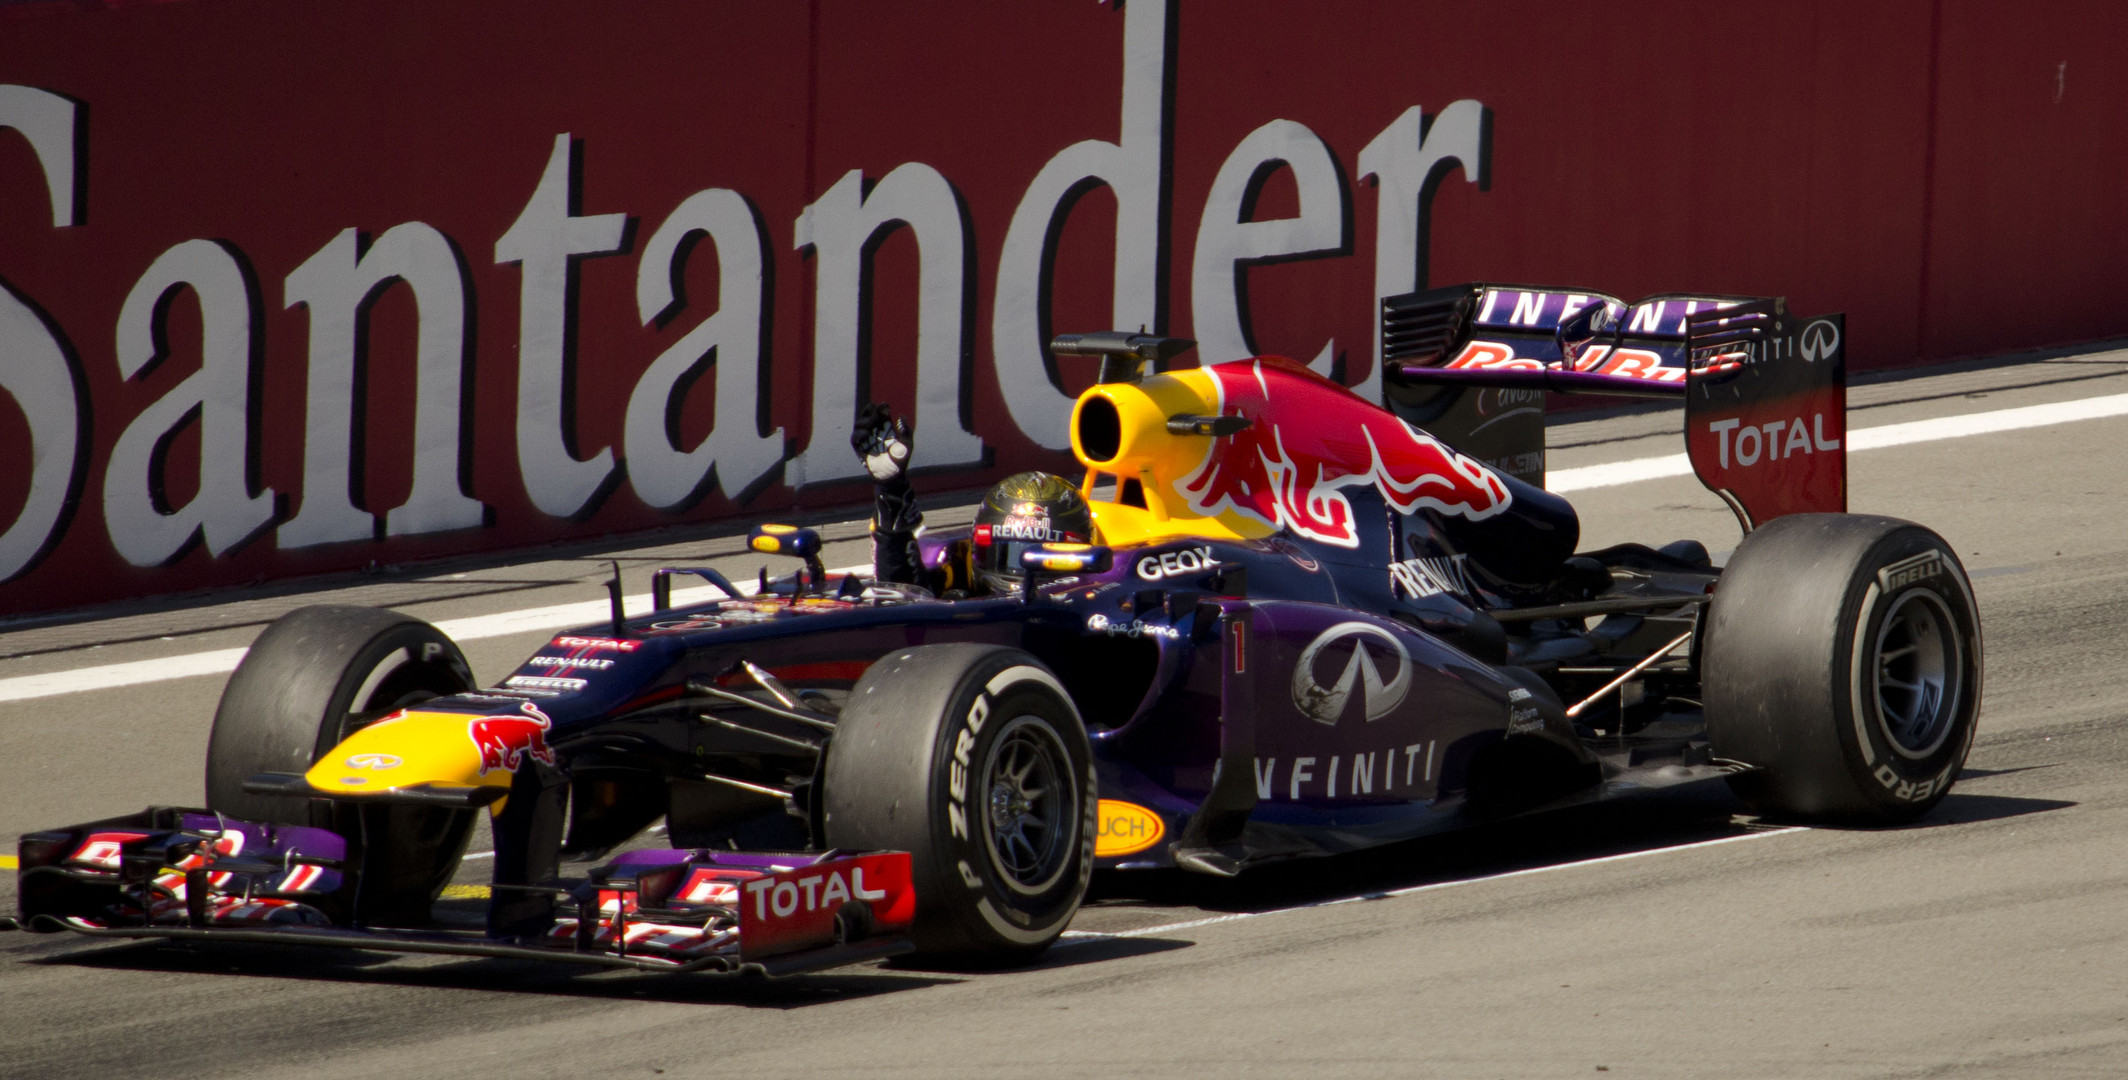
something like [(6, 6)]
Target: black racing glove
[(882, 440)]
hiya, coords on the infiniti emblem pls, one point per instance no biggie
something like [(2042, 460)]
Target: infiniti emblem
[(1818, 339), (1325, 704), (374, 762)]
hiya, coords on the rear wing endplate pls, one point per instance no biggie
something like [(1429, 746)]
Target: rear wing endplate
[(1766, 411)]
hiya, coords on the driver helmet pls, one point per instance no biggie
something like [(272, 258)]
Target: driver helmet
[(1025, 510)]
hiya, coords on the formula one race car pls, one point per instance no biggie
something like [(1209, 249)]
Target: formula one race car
[(1311, 624)]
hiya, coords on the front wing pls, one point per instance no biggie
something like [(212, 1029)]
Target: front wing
[(181, 874)]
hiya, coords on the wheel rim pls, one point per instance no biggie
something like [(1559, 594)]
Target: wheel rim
[(1917, 661), (1030, 805)]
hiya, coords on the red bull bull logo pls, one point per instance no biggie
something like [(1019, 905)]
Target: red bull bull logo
[(505, 741), (1310, 439)]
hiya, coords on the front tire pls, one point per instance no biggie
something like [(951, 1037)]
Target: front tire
[(1843, 656), (973, 759), (310, 680)]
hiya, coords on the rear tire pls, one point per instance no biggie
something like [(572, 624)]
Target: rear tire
[(310, 680), (1843, 656), (973, 759)]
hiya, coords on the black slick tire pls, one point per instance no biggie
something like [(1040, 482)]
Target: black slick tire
[(1843, 657), (311, 679), (973, 759)]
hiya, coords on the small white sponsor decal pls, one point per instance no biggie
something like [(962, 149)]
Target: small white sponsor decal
[(1907, 571), (1102, 624), (541, 682), (569, 662), (595, 643), (1423, 577), (1169, 564)]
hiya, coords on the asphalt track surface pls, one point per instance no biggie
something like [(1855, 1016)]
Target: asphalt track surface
[(1676, 937)]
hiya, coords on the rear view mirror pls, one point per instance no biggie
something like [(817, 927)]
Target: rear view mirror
[(794, 541)]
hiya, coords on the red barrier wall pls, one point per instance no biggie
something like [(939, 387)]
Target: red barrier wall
[(1939, 172)]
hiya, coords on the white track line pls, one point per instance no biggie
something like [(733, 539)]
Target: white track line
[(559, 616), (1616, 473), (1873, 438), (223, 661), (1088, 937)]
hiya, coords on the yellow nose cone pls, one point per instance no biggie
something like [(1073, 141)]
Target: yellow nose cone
[(410, 748)]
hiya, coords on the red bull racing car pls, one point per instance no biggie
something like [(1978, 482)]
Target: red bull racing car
[(1311, 623)]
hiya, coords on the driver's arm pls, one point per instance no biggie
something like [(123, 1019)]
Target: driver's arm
[(882, 440)]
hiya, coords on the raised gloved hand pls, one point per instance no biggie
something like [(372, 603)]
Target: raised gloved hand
[(882, 440)]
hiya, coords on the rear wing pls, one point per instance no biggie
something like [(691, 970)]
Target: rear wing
[(1765, 391)]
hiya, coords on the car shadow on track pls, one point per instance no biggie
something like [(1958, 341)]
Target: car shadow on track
[(1970, 773), (1068, 952), (1559, 837), (1578, 834), (508, 976), (1962, 808)]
